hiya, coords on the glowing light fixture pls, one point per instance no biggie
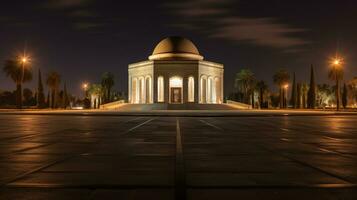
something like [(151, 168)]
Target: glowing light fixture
[(176, 82), (336, 61), (85, 86)]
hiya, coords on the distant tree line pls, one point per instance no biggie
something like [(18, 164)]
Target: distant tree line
[(57, 97), (102, 93), (303, 95)]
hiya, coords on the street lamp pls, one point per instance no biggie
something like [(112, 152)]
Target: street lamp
[(336, 64), (286, 86), (85, 88), (23, 60)]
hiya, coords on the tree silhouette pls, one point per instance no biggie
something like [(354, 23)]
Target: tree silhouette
[(336, 74), (19, 74), (53, 82), (311, 97), (344, 96), (262, 88), (244, 82), (293, 100), (40, 93), (281, 78), (107, 84)]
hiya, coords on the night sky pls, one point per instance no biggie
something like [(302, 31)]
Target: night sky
[(81, 39)]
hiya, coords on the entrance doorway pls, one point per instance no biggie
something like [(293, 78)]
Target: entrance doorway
[(176, 95), (176, 90)]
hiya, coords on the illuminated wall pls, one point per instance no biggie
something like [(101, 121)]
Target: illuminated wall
[(152, 81)]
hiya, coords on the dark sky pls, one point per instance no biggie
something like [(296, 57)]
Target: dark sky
[(81, 39)]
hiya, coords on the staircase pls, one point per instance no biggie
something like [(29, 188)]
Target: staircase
[(150, 107)]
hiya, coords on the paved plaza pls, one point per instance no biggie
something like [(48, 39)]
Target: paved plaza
[(178, 157)]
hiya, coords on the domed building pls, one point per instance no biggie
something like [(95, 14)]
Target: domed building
[(176, 73)]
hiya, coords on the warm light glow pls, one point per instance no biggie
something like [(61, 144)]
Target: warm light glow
[(217, 90), (336, 62), (148, 90), (24, 59), (209, 90), (160, 89), (286, 86), (175, 82), (191, 89), (85, 86), (134, 91), (203, 90), (141, 93)]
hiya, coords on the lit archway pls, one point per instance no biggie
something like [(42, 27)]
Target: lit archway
[(141, 90), (160, 89), (191, 89), (134, 90), (203, 89), (210, 91), (218, 90), (176, 92), (148, 90)]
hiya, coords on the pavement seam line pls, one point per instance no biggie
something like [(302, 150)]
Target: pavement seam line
[(211, 125), (180, 182), (310, 166), (139, 125), (9, 181)]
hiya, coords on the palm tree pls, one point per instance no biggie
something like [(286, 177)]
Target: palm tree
[(107, 84), (244, 82), (95, 92), (40, 93), (352, 85), (19, 74), (65, 101), (263, 88), (53, 82), (281, 78), (336, 74), (293, 99), (323, 94)]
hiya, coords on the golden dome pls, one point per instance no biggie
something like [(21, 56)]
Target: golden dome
[(176, 48)]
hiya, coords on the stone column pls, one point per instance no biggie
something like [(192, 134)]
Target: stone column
[(154, 89), (185, 89), (129, 90), (222, 87), (167, 89)]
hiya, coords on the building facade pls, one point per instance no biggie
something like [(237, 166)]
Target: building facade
[(176, 73)]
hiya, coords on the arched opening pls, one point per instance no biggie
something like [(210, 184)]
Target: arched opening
[(160, 89), (148, 90), (191, 89), (210, 90), (218, 90), (176, 95), (203, 89), (141, 90), (134, 91)]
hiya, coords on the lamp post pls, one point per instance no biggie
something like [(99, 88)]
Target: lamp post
[(23, 60), (85, 88), (337, 75), (286, 86)]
